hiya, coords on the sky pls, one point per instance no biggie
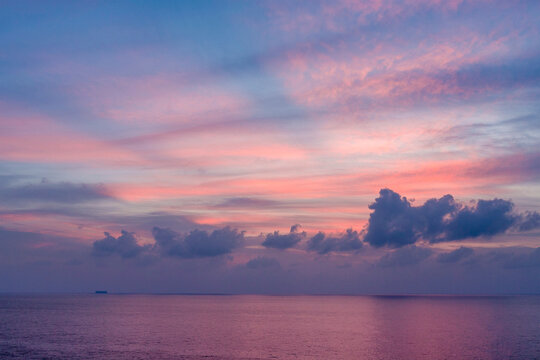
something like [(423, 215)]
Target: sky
[(328, 147)]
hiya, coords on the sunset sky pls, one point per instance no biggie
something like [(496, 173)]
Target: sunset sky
[(270, 146)]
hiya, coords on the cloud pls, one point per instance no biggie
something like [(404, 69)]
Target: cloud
[(488, 217), (521, 71), (262, 262), (246, 202), (391, 222), (125, 245), (529, 221), (509, 127), (158, 219), (529, 260), (197, 243), (20, 246), (523, 165), (45, 191), (415, 86), (278, 241), (456, 255), (41, 262), (394, 222), (322, 244), (406, 256)]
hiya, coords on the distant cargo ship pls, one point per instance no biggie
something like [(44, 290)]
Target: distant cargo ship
[(101, 291)]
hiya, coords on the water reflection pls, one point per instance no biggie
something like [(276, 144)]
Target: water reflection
[(299, 327)]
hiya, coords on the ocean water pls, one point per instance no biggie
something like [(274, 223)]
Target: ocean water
[(268, 327)]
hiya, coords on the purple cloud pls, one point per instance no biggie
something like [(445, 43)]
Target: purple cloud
[(322, 244), (124, 245), (394, 222), (197, 243), (285, 241)]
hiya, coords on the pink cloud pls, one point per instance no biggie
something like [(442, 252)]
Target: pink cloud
[(36, 138), (354, 74), (405, 176), (329, 15), (159, 100)]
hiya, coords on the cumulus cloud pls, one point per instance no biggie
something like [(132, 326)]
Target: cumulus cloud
[(529, 221), (285, 241), (125, 246), (456, 255), (406, 256), (262, 262), (391, 221), (322, 244), (395, 222), (488, 217), (197, 243)]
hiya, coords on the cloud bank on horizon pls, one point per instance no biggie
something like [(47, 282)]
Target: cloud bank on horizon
[(398, 238), (199, 132), (393, 223)]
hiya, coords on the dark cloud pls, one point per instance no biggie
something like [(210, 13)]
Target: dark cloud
[(125, 246), (406, 256), (262, 262), (45, 191), (488, 217), (529, 221), (197, 243), (278, 241), (456, 255), (394, 222), (41, 262), (322, 244)]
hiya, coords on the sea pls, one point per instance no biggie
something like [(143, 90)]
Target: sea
[(99, 326)]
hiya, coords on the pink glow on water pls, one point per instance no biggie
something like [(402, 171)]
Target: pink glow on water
[(346, 327)]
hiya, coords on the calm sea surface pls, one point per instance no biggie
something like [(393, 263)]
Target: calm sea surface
[(268, 327)]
